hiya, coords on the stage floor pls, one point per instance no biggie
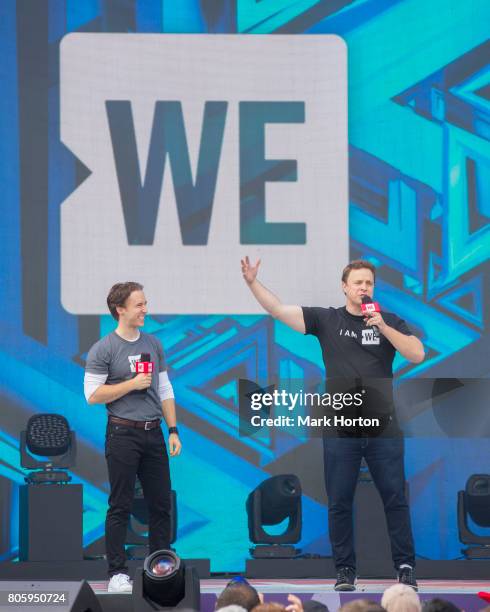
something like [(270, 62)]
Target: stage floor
[(463, 593), (215, 586)]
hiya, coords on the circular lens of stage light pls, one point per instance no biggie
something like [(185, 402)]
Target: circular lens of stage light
[(162, 567)]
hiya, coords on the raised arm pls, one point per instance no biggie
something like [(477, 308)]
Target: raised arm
[(292, 316)]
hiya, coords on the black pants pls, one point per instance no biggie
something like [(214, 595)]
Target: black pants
[(384, 457), (132, 452)]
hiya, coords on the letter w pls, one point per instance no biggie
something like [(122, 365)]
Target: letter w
[(140, 200)]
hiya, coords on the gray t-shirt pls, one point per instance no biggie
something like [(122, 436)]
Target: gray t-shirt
[(115, 357)]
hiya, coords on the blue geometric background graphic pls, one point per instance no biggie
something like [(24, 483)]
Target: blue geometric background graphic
[(419, 172)]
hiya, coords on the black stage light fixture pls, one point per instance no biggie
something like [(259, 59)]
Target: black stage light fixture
[(474, 502), (48, 435), (274, 500), (165, 582)]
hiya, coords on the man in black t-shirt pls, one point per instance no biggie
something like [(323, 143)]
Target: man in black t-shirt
[(356, 346)]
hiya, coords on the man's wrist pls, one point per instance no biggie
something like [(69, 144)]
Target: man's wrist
[(383, 328), (173, 430)]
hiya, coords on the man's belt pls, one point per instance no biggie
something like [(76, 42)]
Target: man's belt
[(146, 425)]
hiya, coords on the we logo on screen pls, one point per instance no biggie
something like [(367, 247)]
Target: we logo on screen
[(203, 149)]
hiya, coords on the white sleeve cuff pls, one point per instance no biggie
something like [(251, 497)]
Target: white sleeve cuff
[(165, 389), (92, 382)]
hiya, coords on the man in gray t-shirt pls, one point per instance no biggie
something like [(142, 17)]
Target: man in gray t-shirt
[(134, 441), (122, 355)]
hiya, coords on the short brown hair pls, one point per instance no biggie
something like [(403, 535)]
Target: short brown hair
[(238, 594), (118, 295), (269, 607), (357, 264), (361, 605)]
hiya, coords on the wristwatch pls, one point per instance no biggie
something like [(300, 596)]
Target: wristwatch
[(172, 430)]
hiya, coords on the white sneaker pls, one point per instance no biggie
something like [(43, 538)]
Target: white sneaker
[(120, 583)]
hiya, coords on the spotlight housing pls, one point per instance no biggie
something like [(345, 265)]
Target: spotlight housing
[(274, 500), (49, 436), (474, 502), (165, 582)]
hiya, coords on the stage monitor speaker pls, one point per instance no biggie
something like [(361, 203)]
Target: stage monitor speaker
[(48, 595)]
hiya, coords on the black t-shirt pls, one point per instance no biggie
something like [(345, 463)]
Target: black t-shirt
[(350, 348), (357, 358)]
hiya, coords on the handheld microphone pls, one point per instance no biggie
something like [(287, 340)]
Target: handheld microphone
[(144, 365), (369, 306)]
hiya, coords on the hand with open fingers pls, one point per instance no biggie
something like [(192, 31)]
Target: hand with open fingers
[(249, 272)]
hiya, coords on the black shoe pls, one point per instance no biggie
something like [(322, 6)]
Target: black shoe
[(346, 579), (406, 575)]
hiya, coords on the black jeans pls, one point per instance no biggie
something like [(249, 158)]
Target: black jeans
[(384, 457), (130, 452)]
